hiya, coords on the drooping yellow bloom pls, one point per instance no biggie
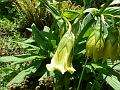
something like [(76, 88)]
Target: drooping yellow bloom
[(95, 45), (62, 59), (89, 45), (107, 49), (114, 52), (98, 49), (111, 51)]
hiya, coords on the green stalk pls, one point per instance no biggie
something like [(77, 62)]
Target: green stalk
[(78, 88), (69, 24), (105, 6)]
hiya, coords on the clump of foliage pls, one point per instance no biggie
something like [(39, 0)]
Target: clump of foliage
[(7, 10), (9, 33), (77, 49), (34, 13)]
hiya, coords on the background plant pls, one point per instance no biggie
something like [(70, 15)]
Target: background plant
[(9, 24), (34, 13)]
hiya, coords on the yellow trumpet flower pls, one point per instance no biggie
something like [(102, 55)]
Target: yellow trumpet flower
[(62, 59)]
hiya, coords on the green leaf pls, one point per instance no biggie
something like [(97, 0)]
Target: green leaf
[(76, 27), (113, 82), (96, 86), (115, 2), (112, 11), (3, 88), (86, 3), (42, 69), (87, 22), (115, 66), (26, 45), (96, 66), (39, 38), (70, 14), (9, 59), (29, 29), (23, 55), (3, 0), (54, 43), (28, 59), (17, 59), (27, 72), (30, 40), (88, 32), (80, 49), (5, 71), (105, 6), (51, 8), (93, 11), (46, 29)]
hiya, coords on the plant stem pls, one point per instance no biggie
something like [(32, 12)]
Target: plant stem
[(69, 24), (78, 88), (105, 6)]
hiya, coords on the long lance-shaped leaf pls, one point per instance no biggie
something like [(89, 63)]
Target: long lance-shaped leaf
[(50, 8), (26, 45), (112, 11), (105, 6), (113, 82), (27, 72), (39, 38), (42, 68), (115, 2), (87, 22), (70, 14), (18, 59)]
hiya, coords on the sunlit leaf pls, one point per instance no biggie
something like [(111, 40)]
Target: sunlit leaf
[(51, 8), (70, 15), (113, 82), (112, 11), (30, 40), (9, 59), (93, 11), (115, 2), (27, 72), (28, 59), (26, 45), (87, 22), (17, 59)]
